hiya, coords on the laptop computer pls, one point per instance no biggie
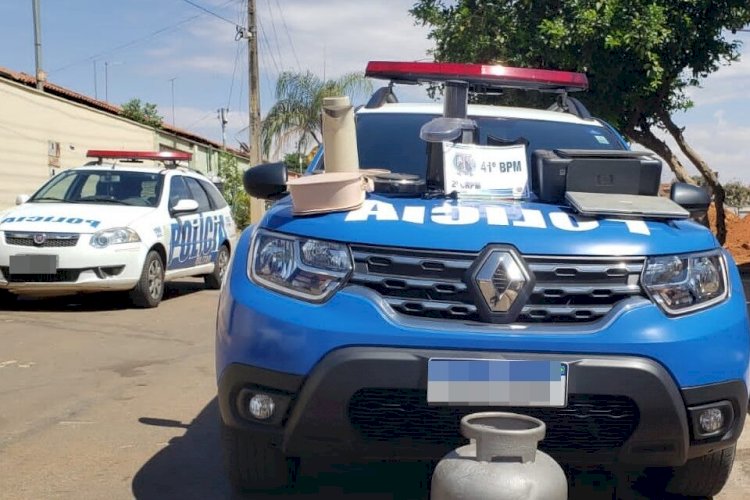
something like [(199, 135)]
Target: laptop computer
[(625, 205)]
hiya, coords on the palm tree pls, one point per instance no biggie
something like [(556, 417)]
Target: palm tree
[(296, 115)]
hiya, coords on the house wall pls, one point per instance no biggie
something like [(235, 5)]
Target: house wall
[(40, 134)]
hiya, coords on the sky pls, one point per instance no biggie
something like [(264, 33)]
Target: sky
[(147, 49)]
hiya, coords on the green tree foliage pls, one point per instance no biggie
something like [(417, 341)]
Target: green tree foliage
[(296, 115), (641, 56), (737, 194), (296, 162), (143, 112), (233, 190)]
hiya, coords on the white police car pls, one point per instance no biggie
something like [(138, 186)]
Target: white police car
[(122, 225)]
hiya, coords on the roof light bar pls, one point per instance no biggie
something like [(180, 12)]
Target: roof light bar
[(139, 155), (488, 76)]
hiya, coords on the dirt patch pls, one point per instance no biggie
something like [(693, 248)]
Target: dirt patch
[(738, 235)]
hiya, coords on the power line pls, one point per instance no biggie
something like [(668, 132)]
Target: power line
[(243, 83), (234, 71), (264, 59), (275, 34), (204, 117), (291, 44), (268, 47), (133, 42), (218, 16), (125, 45)]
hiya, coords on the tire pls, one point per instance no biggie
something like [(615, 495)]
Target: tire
[(700, 477), (213, 281), (254, 465), (7, 298), (150, 288)]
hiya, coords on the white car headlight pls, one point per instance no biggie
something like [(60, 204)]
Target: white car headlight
[(685, 283), (106, 237), (302, 267)]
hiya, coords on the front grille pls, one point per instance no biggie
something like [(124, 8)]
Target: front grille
[(61, 276), (51, 239), (589, 424), (434, 284)]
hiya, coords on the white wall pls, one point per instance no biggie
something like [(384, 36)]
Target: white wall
[(30, 120)]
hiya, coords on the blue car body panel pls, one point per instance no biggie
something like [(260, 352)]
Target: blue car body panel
[(463, 225), (277, 332)]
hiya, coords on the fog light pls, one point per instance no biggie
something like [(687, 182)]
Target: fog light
[(711, 420), (261, 406)]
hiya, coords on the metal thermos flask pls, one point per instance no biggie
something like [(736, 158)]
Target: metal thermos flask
[(339, 136)]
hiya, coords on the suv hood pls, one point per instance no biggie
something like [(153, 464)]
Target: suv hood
[(69, 217), (469, 225)]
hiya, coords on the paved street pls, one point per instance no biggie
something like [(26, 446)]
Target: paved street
[(100, 401)]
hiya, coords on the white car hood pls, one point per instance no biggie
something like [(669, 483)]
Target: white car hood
[(69, 217)]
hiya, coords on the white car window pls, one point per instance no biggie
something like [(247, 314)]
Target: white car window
[(198, 195), (217, 200), (102, 187), (178, 190)]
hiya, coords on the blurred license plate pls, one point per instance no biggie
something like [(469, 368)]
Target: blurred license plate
[(497, 382), (33, 264)]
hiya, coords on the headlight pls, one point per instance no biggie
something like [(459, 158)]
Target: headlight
[(304, 268), (686, 283), (106, 237)]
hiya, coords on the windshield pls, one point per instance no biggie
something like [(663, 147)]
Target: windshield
[(141, 189), (391, 141)]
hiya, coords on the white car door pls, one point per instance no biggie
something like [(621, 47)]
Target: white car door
[(196, 236), (185, 228)]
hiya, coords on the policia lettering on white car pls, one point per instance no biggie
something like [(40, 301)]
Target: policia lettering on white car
[(196, 240), (53, 219)]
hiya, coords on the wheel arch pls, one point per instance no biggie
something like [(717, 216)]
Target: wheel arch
[(162, 251)]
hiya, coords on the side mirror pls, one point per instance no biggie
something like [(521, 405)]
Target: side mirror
[(694, 199), (21, 199), (185, 206), (266, 181)]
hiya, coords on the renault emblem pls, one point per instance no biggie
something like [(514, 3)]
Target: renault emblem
[(501, 284), (39, 238)]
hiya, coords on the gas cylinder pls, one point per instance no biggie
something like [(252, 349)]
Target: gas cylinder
[(501, 462)]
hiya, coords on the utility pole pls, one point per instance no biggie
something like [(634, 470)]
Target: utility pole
[(96, 92), (257, 207), (172, 80), (40, 77), (223, 119)]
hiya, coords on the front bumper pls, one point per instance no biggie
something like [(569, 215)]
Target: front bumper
[(81, 268), (370, 402)]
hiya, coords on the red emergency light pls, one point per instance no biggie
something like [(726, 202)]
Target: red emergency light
[(488, 76), (139, 155)]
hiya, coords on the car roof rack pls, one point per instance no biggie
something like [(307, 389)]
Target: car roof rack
[(481, 78), (168, 158)]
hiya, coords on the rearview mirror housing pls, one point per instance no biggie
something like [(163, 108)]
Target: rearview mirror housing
[(185, 206), (694, 199), (266, 181), (21, 199)]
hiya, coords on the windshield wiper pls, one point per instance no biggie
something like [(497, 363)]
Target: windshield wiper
[(107, 200), (50, 198)]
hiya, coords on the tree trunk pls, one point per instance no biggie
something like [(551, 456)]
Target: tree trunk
[(648, 139), (711, 179)]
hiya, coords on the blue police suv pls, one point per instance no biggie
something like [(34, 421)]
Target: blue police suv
[(510, 258)]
